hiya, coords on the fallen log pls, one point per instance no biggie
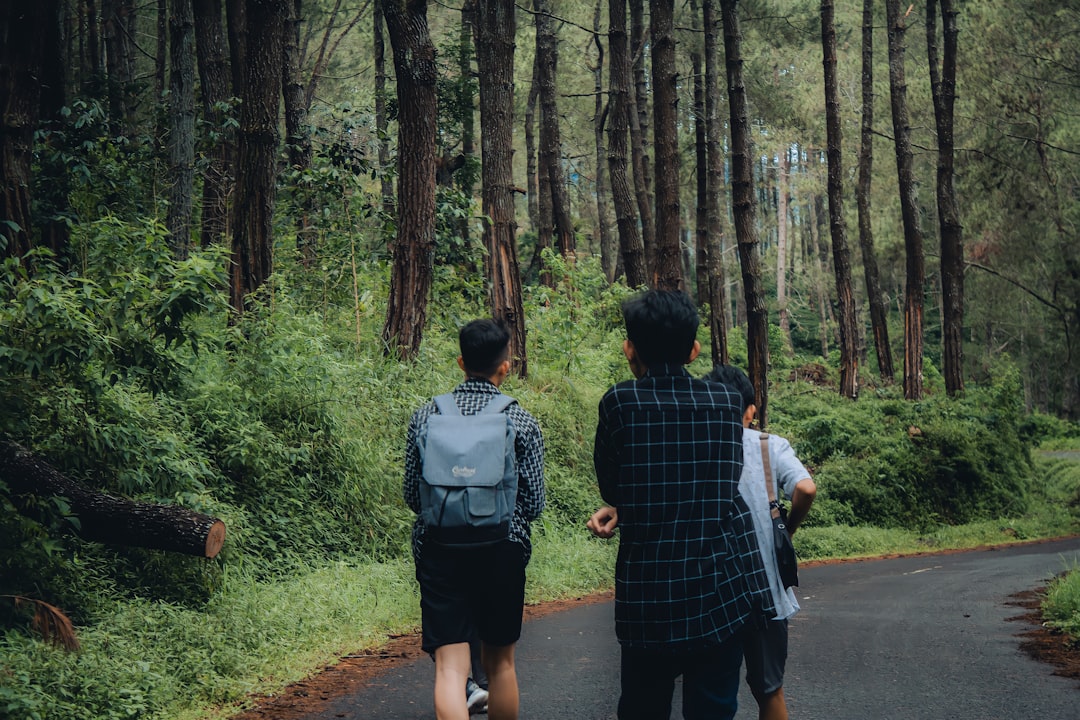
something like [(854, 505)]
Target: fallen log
[(106, 518)]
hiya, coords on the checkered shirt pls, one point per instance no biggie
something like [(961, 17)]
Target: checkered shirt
[(471, 397), (668, 455)]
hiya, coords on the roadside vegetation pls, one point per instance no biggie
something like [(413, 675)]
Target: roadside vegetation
[(289, 426)]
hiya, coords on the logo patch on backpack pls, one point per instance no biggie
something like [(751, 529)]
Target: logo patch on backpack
[(468, 487)]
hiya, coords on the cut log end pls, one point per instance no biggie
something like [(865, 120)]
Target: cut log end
[(215, 539)]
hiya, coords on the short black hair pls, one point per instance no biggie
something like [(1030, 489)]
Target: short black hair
[(736, 379), (484, 346), (662, 325)]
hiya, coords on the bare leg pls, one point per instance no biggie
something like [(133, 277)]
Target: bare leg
[(452, 666), (772, 706), (502, 682)]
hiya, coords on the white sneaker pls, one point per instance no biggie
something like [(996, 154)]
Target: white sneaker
[(476, 698)]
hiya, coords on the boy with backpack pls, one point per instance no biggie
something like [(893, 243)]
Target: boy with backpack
[(474, 476)]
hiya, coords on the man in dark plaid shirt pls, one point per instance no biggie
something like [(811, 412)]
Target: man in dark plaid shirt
[(668, 457)]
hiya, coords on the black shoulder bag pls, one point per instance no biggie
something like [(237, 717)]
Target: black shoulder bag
[(786, 563)]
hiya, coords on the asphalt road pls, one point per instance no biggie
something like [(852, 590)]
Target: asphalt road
[(919, 638)]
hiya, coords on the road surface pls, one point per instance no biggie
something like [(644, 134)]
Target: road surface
[(917, 638)]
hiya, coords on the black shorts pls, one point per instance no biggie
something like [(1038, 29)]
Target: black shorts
[(468, 593), (765, 650)]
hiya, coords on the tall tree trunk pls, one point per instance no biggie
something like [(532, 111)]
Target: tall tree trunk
[(718, 309), (182, 134), (214, 91), (639, 134), (252, 257), (161, 54), (532, 182), (667, 273), (849, 358), (381, 125), (236, 24), (630, 243), (496, 28), (466, 101), (701, 168), (22, 53), (913, 236), (547, 62), (782, 243), (742, 194), (55, 209), (818, 270), (943, 83), (414, 248), (608, 242), (117, 25), (878, 311), (297, 135)]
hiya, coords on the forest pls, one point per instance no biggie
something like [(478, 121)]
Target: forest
[(238, 237)]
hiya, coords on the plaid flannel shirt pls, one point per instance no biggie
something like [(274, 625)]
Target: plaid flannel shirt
[(471, 397), (668, 455)]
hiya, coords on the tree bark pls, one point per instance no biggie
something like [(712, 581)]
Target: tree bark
[(297, 134), (547, 62), (608, 241), (182, 133), (414, 248), (118, 32), (532, 175), (742, 193), (878, 310), (105, 518), (386, 185), (782, 244), (626, 218), (913, 236), (252, 258), (214, 90), (467, 101), (22, 53), (496, 28), (639, 135), (943, 85), (718, 308), (849, 358), (701, 169), (667, 273)]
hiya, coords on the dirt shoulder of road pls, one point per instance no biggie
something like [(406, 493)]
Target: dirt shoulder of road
[(309, 696)]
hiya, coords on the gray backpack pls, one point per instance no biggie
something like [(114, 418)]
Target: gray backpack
[(468, 487)]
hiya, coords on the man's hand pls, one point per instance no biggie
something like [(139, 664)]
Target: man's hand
[(603, 522)]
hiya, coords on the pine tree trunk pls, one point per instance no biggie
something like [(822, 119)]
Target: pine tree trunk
[(495, 31), (609, 250), (532, 181), (718, 307), (117, 29), (639, 135), (414, 247), (742, 193), (297, 137), (781, 245), (22, 56), (630, 243), (701, 170), (547, 63), (878, 311), (182, 133), (913, 237), (386, 185), (849, 359), (943, 85), (214, 89), (667, 272), (252, 258), (467, 101)]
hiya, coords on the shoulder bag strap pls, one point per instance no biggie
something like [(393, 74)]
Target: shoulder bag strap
[(774, 507)]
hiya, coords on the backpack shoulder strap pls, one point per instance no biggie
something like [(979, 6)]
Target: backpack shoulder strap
[(497, 404), (446, 404)]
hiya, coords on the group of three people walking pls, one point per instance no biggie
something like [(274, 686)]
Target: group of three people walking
[(697, 590)]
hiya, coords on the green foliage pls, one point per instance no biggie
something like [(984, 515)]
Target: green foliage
[(1061, 607)]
